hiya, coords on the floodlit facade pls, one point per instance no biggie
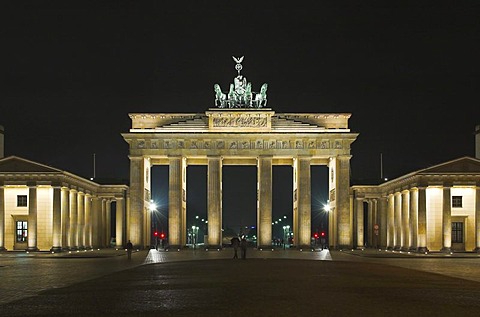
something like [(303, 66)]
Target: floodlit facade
[(240, 130), (434, 209), (43, 208)]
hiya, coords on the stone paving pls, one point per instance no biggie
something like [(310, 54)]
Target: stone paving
[(37, 276)]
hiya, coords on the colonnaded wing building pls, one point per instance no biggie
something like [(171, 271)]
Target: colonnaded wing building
[(434, 209)]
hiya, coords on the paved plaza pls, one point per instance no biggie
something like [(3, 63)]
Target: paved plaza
[(211, 283)]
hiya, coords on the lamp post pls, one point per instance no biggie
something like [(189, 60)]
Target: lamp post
[(326, 209), (286, 231), (194, 235), (152, 207)]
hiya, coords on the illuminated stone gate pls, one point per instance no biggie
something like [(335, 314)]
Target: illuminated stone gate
[(240, 131)]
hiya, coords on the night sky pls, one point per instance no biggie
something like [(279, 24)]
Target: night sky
[(71, 71)]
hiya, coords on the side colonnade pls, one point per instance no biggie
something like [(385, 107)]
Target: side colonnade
[(44, 215), (420, 217)]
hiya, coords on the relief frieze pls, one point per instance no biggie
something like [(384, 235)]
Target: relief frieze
[(252, 122), (220, 144), (260, 144)]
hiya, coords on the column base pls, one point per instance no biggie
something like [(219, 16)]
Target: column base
[(397, 248), (342, 247), (477, 249), (304, 247), (422, 249), (446, 250), (2, 249), (32, 249), (213, 247), (175, 247), (56, 249), (265, 248)]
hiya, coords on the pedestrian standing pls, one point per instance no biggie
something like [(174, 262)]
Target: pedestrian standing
[(129, 249), (243, 246), (235, 244)]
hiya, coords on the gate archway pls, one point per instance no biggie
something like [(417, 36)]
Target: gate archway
[(240, 131), (257, 137)]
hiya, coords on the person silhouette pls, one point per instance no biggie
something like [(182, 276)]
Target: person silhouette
[(235, 243), (129, 249), (243, 246)]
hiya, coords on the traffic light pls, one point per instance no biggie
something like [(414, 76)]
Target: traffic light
[(155, 233), (322, 234), (162, 235), (315, 235)]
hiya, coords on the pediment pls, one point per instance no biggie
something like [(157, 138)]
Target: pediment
[(14, 164), (461, 165)]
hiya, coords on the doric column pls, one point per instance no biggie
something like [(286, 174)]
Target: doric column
[(382, 222), (413, 199), (81, 220), (264, 213), (2, 219), (477, 218), (398, 220), (96, 222), (175, 202), (304, 202), (405, 221), (88, 221), (32, 218), (73, 220), (120, 216), (447, 219), (370, 221), (57, 219), (342, 202), (138, 202), (391, 222), (108, 222), (359, 221), (422, 220), (65, 218), (214, 201), (103, 224)]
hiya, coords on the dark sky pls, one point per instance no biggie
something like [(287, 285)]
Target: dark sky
[(71, 71)]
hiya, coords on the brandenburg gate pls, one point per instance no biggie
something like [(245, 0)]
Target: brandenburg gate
[(240, 130)]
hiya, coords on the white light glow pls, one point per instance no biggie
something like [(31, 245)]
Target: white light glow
[(152, 206)]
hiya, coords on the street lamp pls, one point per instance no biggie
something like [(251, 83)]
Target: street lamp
[(152, 207), (286, 230), (194, 235), (326, 207)]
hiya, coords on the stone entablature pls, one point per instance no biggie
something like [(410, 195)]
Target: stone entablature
[(214, 144), (246, 120)]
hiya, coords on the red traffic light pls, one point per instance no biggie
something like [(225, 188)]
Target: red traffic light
[(322, 234), (315, 235), (162, 235), (155, 233)]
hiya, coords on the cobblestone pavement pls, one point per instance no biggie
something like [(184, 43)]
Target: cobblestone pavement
[(48, 280)]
